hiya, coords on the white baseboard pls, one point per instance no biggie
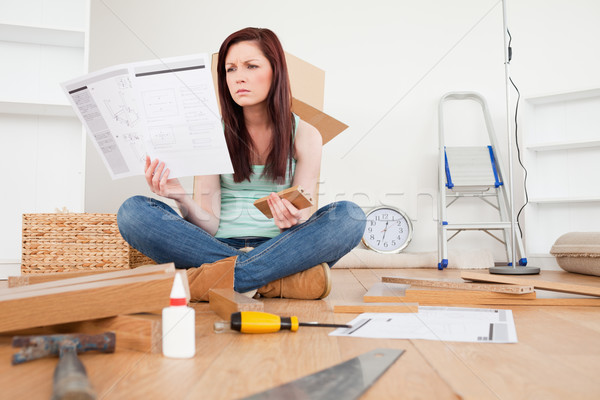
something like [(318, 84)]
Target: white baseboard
[(9, 268), (546, 262)]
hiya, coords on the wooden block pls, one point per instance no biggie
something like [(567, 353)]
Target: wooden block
[(538, 282), (139, 332), (295, 195), (21, 308), (452, 284), (358, 308), (224, 302)]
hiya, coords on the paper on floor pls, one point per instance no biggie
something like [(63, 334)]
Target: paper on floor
[(436, 323)]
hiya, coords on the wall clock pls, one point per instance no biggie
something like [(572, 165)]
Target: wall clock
[(388, 230)]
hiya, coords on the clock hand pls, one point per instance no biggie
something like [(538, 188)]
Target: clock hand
[(385, 230)]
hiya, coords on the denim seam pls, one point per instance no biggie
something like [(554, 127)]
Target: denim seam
[(285, 237), (181, 220)]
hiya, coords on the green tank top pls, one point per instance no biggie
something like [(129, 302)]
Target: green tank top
[(239, 217)]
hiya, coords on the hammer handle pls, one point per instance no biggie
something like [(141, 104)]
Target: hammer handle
[(70, 377)]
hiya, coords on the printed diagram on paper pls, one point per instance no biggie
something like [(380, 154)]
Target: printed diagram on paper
[(166, 109), (123, 110), (118, 108), (436, 323)]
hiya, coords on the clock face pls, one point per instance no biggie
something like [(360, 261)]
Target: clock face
[(387, 231)]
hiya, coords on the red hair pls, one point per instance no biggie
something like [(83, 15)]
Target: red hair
[(279, 106)]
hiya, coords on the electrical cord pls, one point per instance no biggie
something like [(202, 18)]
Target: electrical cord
[(517, 137)]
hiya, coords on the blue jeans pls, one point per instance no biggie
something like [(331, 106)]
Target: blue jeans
[(156, 230)]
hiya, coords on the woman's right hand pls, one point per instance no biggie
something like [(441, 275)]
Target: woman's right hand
[(157, 177)]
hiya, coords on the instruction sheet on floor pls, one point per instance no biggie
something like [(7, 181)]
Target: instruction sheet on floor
[(436, 323)]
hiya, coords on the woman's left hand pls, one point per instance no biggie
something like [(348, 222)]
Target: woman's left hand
[(284, 213)]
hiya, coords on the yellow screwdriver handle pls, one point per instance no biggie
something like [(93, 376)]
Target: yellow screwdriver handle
[(261, 322)]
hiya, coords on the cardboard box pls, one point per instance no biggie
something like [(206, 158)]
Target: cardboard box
[(308, 93)]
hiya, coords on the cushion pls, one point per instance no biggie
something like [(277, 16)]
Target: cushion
[(578, 252)]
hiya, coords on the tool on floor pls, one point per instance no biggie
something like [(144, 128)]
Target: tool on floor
[(347, 380), (34, 347), (262, 322), (70, 377)]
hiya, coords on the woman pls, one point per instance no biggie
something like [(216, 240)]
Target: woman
[(223, 240)]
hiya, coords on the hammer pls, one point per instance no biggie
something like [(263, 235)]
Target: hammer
[(70, 377)]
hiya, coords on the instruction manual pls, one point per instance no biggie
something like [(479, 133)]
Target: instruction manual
[(452, 324), (165, 108)]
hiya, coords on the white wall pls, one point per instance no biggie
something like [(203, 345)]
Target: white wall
[(41, 156), (387, 64)]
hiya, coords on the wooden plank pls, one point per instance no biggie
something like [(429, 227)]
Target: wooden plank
[(224, 302), (387, 292), (34, 278), (89, 278), (358, 308), (84, 301), (537, 282), (425, 296), (454, 284)]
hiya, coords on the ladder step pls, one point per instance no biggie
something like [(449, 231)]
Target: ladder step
[(470, 167), (477, 226)]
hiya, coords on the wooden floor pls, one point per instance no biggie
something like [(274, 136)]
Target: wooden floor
[(557, 357)]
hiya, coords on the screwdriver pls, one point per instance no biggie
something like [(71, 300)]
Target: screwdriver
[(262, 322)]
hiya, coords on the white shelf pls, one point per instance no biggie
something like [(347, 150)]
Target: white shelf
[(53, 109), (559, 200), (566, 145), (42, 35), (561, 140), (563, 97)]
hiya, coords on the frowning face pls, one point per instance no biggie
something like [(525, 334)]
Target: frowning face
[(249, 74)]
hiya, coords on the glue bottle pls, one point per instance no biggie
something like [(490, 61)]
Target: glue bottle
[(178, 324)]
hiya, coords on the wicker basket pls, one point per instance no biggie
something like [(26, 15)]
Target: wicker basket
[(71, 242)]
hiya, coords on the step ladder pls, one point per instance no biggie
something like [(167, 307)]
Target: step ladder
[(474, 172)]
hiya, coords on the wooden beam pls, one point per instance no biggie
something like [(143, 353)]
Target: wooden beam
[(538, 282), (73, 279), (224, 302), (379, 293), (358, 308), (22, 309), (390, 291), (450, 284), (35, 278)]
